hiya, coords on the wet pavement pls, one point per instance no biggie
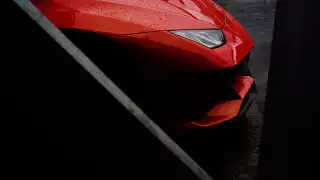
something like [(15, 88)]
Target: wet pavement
[(230, 150), (257, 16)]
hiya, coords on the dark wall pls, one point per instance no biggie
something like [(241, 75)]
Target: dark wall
[(290, 140), (57, 120)]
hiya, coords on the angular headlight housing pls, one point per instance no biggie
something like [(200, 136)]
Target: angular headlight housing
[(209, 38)]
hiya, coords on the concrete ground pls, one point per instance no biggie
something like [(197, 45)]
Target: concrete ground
[(257, 17), (231, 150)]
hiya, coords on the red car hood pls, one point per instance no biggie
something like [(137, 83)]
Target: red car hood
[(116, 17)]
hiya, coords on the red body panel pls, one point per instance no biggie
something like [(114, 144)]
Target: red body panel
[(136, 17), (228, 109), (142, 25), (116, 17), (172, 53)]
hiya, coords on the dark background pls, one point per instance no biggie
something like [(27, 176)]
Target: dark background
[(60, 123), (257, 17), (56, 120)]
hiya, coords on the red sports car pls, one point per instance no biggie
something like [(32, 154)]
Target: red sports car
[(183, 61)]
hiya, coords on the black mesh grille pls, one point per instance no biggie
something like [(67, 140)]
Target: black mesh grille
[(163, 96), (189, 96), (241, 69)]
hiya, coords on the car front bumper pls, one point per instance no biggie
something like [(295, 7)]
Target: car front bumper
[(226, 111), (232, 109)]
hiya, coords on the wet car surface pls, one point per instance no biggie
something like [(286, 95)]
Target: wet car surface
[(225, 150)]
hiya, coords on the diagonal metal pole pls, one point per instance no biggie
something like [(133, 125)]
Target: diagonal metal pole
[(115, 91)]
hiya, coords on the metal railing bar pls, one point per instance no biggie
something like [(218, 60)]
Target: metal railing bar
[(112, 88)]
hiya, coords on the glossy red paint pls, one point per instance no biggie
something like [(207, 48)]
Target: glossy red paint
[(237, 37), (172, 53), (136, 17), (117, 17), (226, 110), (142, 25)]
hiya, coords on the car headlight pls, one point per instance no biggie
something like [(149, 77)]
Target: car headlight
[(209, 38)]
